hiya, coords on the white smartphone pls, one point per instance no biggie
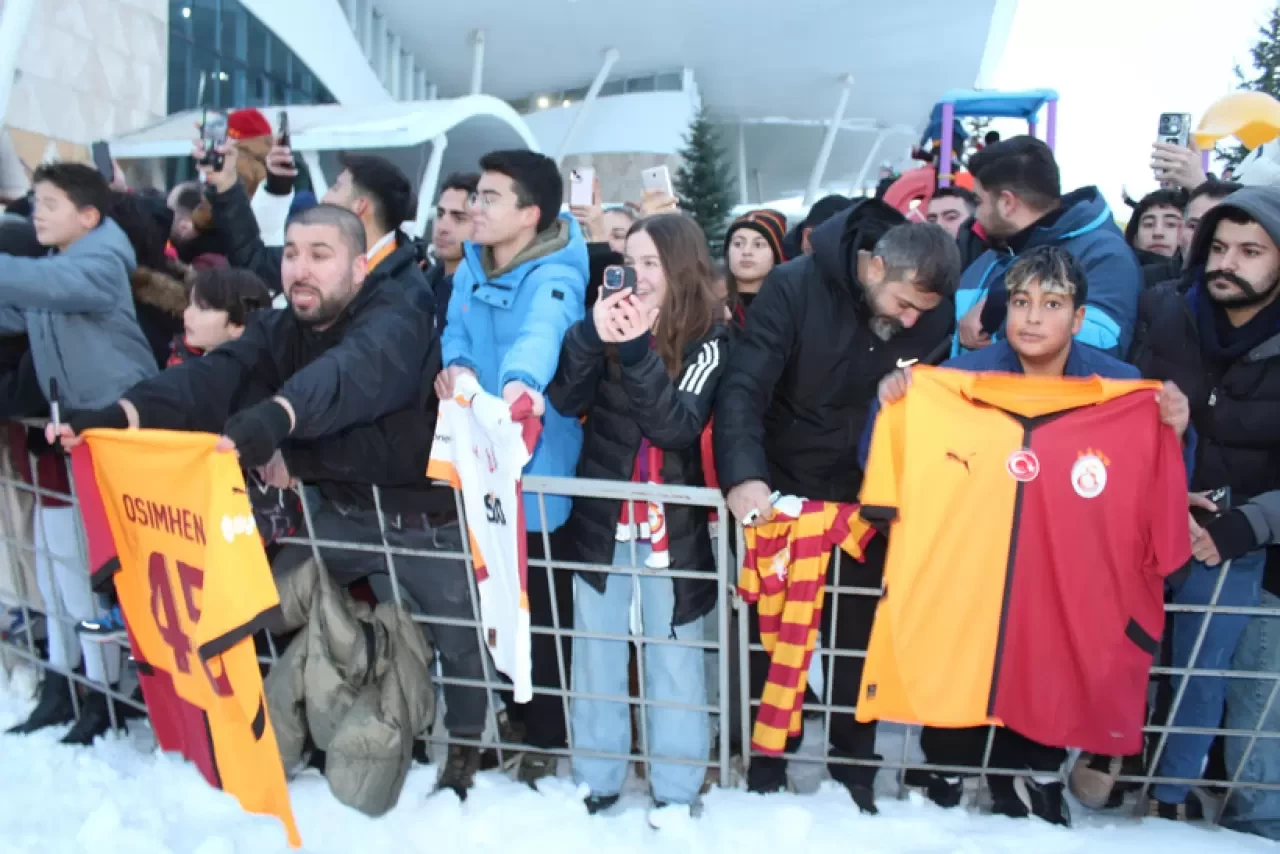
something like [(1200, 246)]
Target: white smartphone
[(582, 187), (658, 178), (1174, 129)]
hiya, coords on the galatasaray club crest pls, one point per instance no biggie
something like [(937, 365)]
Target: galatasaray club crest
[(1089, 474), (1023, 465)]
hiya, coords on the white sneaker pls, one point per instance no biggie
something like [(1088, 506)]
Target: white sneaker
[(669, 816)]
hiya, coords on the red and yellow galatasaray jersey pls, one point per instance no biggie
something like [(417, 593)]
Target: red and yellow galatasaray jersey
[(1033, 523), (169, 519)]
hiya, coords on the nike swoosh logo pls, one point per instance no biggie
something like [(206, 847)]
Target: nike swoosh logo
[(906, 363)]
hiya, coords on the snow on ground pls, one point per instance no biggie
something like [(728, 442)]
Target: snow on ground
[(123, 796)]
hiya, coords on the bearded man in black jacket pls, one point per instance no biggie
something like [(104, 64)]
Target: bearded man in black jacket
[(336, 391), (873, 297)]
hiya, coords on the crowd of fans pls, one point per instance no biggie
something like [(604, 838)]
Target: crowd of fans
[(761, 375)]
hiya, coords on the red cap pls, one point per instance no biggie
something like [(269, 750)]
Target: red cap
[(247, 124)]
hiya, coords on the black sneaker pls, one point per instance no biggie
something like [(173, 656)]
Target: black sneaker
[(767, 775), (864, 797), (945, 791), (53, 708), (94, 721), (1189, 810), (1020, 797), (600, 803), (858, 780), (460, 768)]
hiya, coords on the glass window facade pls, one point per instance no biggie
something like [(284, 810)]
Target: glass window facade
[(672, 81), (244, 63)]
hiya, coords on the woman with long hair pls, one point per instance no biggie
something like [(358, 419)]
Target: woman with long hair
[(643, 368)]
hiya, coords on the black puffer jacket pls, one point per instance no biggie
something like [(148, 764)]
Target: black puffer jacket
[(627, 396), (1234, 389), (804, 372)]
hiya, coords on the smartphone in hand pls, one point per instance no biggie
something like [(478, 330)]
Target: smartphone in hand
[(1221, 498), (582, 187), (102, 159), (618, 278), (213, 133), (658, 178)]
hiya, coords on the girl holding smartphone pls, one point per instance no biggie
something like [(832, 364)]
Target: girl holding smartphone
[(643, 368)]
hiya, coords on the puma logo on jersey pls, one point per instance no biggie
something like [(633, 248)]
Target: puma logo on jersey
[(964, 461)]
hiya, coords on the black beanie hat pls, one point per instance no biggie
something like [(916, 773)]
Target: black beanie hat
[(770, 224)]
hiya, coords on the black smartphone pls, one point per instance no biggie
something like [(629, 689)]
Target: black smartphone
[(619, 279), (1221, 498), (102, 159), (283, 138)]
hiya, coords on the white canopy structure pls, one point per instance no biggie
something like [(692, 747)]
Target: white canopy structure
[(427, 138)]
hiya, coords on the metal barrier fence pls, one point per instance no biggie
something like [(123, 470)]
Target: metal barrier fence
[(727, 706)]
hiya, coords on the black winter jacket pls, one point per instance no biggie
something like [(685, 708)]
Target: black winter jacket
[(806, 368), (361, 392), (626, 396), (1235, 399)]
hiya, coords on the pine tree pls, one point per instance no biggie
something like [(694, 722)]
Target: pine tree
[(1266, 67), (702, 182)]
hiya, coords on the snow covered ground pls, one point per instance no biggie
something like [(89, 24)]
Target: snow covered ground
[(122, 796)]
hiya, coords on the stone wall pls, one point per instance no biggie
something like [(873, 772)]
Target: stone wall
[(89, 69)]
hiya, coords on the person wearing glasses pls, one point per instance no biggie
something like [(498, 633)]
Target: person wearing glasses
[(520, 286)]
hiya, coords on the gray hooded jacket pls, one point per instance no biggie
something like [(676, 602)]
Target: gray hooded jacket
[(76, 308)]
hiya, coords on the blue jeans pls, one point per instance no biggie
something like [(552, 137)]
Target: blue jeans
[(1202, 704), (674, 674), (1253, 810)]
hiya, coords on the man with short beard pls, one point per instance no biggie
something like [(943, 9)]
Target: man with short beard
[(825, 328), (1218, 337)]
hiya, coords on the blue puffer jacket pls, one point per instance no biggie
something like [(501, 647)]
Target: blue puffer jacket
[(510, 325), (1084, 227)]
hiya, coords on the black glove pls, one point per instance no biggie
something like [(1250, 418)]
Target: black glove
[(1232, 534), (108, 417), (258, 431)]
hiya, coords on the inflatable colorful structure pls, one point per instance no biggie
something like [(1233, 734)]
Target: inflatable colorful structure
[(911, 192), (1254, 119)]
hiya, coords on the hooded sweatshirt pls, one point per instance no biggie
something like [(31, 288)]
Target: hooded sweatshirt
[(1082, 225), (507, 324), (76, 307), (1230, 374)]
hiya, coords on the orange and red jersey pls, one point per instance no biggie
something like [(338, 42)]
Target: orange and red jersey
[(168, 519), (1032, 523)]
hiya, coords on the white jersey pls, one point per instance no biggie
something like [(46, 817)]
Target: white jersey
[(481, 447)]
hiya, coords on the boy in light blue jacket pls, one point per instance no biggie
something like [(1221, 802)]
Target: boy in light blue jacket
[(520, 286)]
